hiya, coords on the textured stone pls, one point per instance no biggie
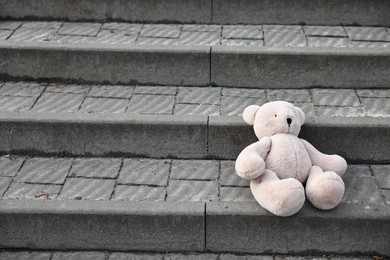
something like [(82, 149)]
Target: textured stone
[(362, 44), (139, 193), (327, 42), (339, 97), (58, 102), (151, 104), (4, 34), (234, 106), (10, 25), (66, 88), (4, 183), (194, 169), (45, 25), (96, 167), (361, 190), (22, 89), (86, 29), (368, 33), (244, 257), (32, 191), (115, 37), (242, 92), (229, 176), (111, 91), (237, 194), (10, 165), (197, 109), (180, 190), (373, 93), (199, 95), (202, 27), (72, 39), (284, 39), (78, 256), (378, 107), (25, 255), (200, 38), (133, 256), (32, 35), (242, 42), (87, 189), (16, 104), (157, 41), (324, 31), (160, 31), (283, 28), (386, 194), (242, 32), (128, 27), (290, 95), (191, 256), (154, 90), (341, 111), (382, 174), (358, 171), (104, 105)]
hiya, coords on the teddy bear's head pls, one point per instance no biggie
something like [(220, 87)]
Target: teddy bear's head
[(278, 117)]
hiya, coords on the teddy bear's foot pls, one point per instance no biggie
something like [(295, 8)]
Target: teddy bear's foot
[(281, 197), (325, 190)]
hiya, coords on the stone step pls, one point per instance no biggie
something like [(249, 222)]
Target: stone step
[(335, 12), (172, 205), (261, 56), (183, 122)]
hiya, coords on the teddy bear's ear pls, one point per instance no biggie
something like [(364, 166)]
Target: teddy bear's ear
[(300, 114), (250, 113)]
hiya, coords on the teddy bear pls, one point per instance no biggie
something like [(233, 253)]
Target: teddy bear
[(280, 163)]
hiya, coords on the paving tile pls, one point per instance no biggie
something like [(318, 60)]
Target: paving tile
[(33, 35), (160, 30), (65, 88), (283, 28), (244, 257), (180, 190), (236, 194), (377, 107), (9, 25), (202, 28), (44, 170), (197, 109), (133, 256), (242, 42), (382, 174), (359, 170), (115, 37), (157, 41), (327, 42), (195, 95), (145, 172), (86, 29), (139, 193), (32, 191), (111, 91), (58, 102), (200, 38), (242, 32), (152, 90), (192, 256), (386, 195), (4, 34), (16, 104), (79, 255), (284, 39), (39, 25), (10, 165), (308, 108), (87, 189), (325, 31), (242, 92), (72, 39), (96, 167), (195, 169), (361, 44), (4, 183), (290, 95), (25, 255), (368, 33), (104, 105), (234, 106), (151, 104), (372, 93), (361, 190), (341, 111), (21, 89), (129, 27), (335, 97), (229, 176)]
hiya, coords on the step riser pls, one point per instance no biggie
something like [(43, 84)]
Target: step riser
[(373, 12), (252, 68)]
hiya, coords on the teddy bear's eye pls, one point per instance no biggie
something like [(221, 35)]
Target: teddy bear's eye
[(276, 115)]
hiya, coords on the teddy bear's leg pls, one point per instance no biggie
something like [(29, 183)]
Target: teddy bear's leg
[(281, 197), (325, 190)]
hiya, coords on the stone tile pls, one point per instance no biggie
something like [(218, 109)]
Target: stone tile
[(361, 44), (32, 191), (386, 195), (96, 167), (308, 108), (16, 104), (4, 183), (64, 88), (72, 39), (195, 95), (368, 33), (58, 102), (144, 171), (40, 25), (361, 190), (229, 176), (83, 29), (242, 32), (115, 37), (87, 189), (327, 42), (283, 28), (195, 169), (133, 256), (200, 38), (151, 104), (202, 28), (290, 95), (337, 31), (242, 42), (4, 34), (9, 25), (236, 194), (157, 41), (197, 109), (139, 193), (341, 111), (128, 27), (104, 105), (10, 165), (358, 170), (180, 190), (24, 255), (244, 257), (33, 35), (242, 92), (284, 39), (192, 256), (79, 255), (382, 174), (152, 90), (44, 170), (335, 97), (22, 89), (372, 93), (111, 91), (377, 107), (161, 30), (234, 106)]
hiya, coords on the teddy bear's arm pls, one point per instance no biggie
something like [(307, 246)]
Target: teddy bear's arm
[(250, 162), (326, 162)]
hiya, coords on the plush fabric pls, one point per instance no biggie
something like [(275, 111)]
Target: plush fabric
[(280, 162)]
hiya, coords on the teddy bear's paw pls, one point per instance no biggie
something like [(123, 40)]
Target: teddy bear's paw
[(326, 190), (282, 197), (251, 168)]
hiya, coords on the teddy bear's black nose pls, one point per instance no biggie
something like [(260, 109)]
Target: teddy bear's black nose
[(289, 121)]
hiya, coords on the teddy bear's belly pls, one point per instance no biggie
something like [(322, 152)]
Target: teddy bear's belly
[(288, 157)]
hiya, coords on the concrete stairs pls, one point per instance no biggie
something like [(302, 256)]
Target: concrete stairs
[(120, 128)]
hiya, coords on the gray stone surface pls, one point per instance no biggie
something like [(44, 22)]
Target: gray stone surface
[(25, 255), (155, 90), (87, 189), (4, 183), (236, 194), (194, 170), (229, 176), (139, 193), (58, 102), (290, 95), (103, 105), (21, 89), (341, 111), (361, 190), (96, 167), (339, 97), (327, 42), (10, 165), (244, 257), (111, 91), (151, 104), (197, 109), (195, 95), (78, 256), (336, 31), (16, 104), (134, 256), (191, 256), (379, 107), (234, 106), (192, 191), (368, 33), (32, 191), (382, 174)]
